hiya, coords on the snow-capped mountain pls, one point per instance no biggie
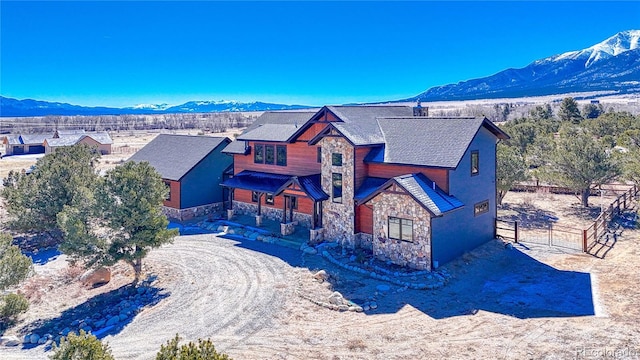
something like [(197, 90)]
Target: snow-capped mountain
[(613, 64), (29, 107)]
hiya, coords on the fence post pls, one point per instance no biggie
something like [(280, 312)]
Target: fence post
[(515, 231), (550, 234), (584, 240)]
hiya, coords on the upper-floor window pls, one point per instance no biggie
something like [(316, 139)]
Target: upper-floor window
[(269, 154), (475, 163), (336, 185), (281, 155), (336, 159), (258, 154), (400, 229), (319, 154)]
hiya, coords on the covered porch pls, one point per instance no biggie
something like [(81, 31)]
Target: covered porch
[(293, 201)]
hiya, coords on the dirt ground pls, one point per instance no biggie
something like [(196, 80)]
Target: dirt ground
[(526, 302)]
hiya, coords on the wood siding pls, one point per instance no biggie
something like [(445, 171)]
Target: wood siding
[(360, 170), (440, 176), (174, 201), (301, 160), (311, 132), (305, 204), (364, 219)]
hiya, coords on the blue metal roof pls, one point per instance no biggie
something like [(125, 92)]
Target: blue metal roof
[(428, 193), (312, 185), (276, 183), (369, 185)]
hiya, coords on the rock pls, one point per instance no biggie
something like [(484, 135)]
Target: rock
[(123, 317), (254, 236), (336, 298), (321, 275), (310, 250), (343, 308), (26, 339), (366, 308), (383, 288), (141, 290), (99, 323), (374, 305), (96, 277), (352, 258), (113, 320), (42, 340), (9, 340), (34, 338), (65, 331), (355, 308), (509, 246)]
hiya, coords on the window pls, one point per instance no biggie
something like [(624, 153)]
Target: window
[(400, 229), (481, 208), (281, 155), (168, 184), (255, 196), (293, 202), (336, 159), (268, 199), (336, 184), (269, 154), (258, 154), (319, 155), (475, 163)]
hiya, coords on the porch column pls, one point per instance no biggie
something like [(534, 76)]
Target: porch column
[(320, 214), (290, 209), (259, 215), (284, 210), (314, 218), (230, 210)]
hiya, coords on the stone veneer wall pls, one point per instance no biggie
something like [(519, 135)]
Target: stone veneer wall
[(415, 254), (193, 212), (364, 241), (338, 218), (270, 213)]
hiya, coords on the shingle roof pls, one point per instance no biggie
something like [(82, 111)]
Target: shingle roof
[(73, 138), (437, 142), (270, 132), (102, 137), (173, 156), (297, 117), (236, 147), (359, 122), (66, 140), (37, 139)]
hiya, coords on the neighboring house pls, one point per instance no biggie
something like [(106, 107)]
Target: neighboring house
[(25, 144), (100, 140), (48, 142), (193, 168), (415, 190)]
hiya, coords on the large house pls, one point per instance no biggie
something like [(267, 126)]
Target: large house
[(417, 191), (192, 167)]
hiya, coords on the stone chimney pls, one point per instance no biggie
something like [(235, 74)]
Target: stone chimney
[(418, 110)]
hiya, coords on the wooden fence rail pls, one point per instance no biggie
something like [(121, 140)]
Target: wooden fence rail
[(564, 236)]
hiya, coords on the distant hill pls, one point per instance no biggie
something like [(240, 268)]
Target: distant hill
[(613, 64), (29, 107)]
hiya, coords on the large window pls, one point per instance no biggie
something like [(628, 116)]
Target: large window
[(336, 159), (400, 229), (336, 184), (475, 163), (481, 208), (281, 155), (269, 154), (293, 202), (258, 154)]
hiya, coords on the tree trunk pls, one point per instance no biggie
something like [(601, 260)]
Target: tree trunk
[(585, 197), (137, 268), (501, 195)]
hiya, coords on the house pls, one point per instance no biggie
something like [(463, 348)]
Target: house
[(193, 168), (415, 190), (46, 143), (100, 140)]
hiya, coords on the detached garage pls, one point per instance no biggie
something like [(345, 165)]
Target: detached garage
[(193, 168)]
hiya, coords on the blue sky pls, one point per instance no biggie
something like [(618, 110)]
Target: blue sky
[(127, 53)]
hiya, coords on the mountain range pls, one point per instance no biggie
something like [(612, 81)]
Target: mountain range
[(612, 65)]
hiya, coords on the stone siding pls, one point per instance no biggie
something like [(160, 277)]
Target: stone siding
[(338, 218), (364, 241), (414, 254), (273, 214), (214, 210)]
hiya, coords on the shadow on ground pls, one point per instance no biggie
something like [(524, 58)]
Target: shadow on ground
[(527, 216), (104, 314)]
